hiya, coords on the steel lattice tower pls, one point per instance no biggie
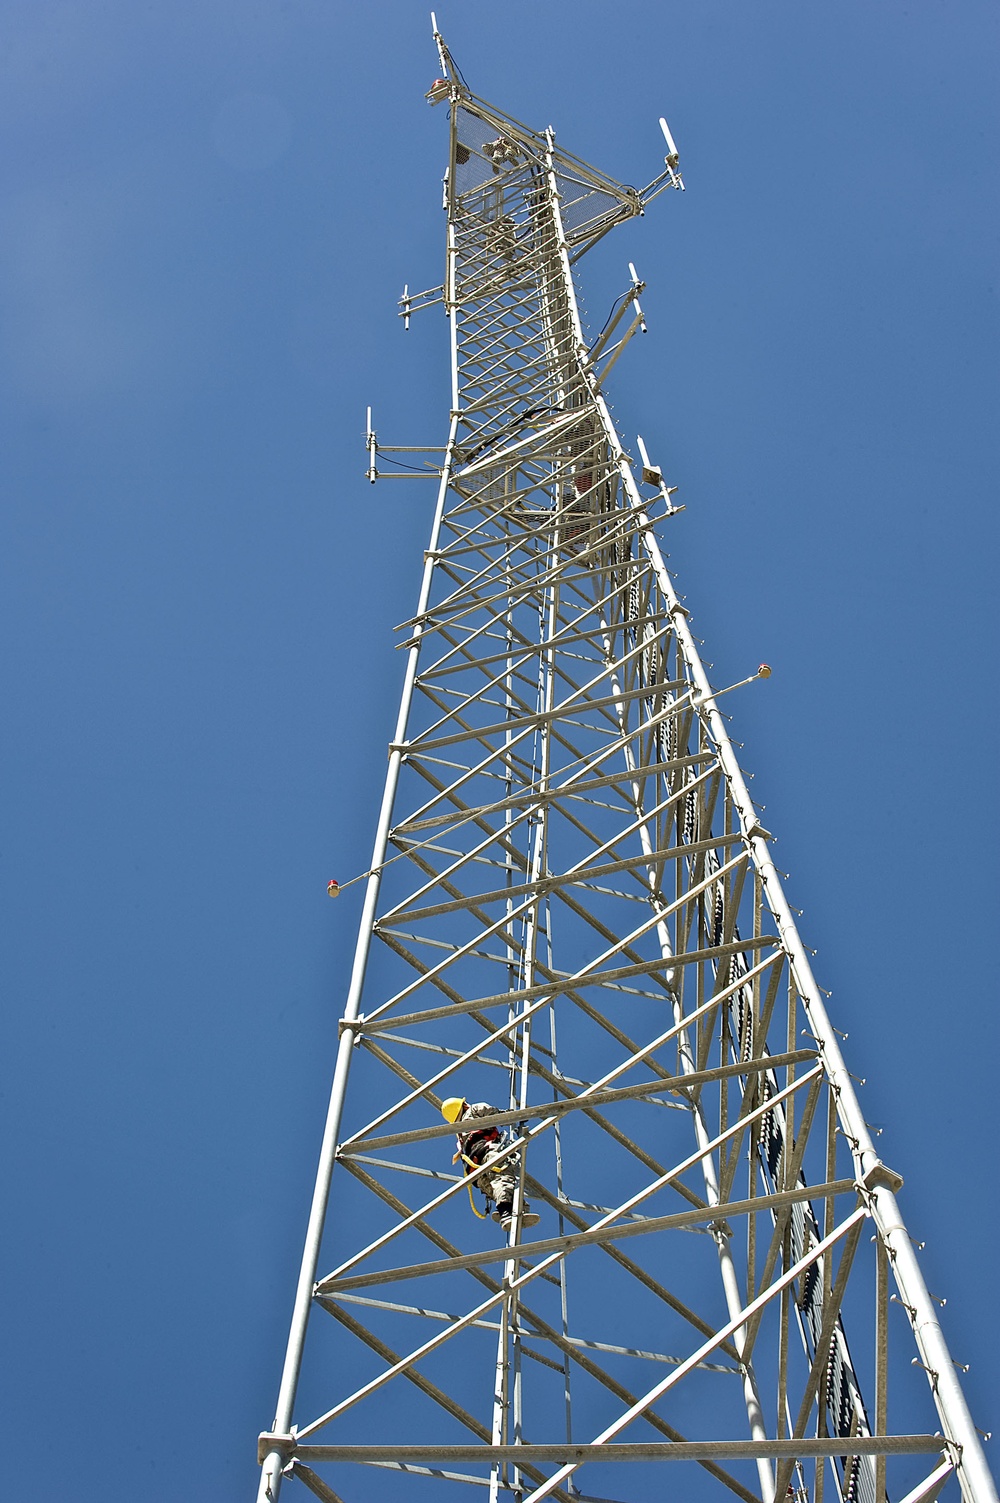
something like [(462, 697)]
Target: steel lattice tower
[(572, 913)]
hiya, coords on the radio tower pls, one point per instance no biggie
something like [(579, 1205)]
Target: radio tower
[(572, 915)]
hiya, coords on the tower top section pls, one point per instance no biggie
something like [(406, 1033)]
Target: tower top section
[(488, 149)]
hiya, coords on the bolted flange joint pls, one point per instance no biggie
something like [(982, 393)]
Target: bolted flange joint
[(268, 1442), (881, 1174)]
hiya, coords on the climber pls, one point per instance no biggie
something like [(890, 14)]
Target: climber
[(477, 1148), (502, 150)]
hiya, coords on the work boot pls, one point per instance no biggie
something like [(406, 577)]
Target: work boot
[(505, 1215)]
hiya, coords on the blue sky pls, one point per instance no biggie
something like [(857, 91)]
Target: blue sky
[(208, 211)]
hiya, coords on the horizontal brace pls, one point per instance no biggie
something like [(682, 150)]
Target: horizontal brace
[(397, 1309), (563, 711), (390, 932), (445, 1476), (430, 474), (366, 1158), (494, 1325), (680, 1083), (671, 1450), (412, 297), (449, 612), (527, 651), (705, 1214), (412, 307), (561, 790), (460, 1054), (572, 983), (559, 1202), (546, 886)]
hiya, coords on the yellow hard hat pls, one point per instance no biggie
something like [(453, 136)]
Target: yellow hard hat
[(453, 1108)]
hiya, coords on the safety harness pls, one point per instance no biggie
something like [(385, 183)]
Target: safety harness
[(481, 1139)]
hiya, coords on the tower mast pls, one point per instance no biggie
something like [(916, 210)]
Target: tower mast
[(573, 916)]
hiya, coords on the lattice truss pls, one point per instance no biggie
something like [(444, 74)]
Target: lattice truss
[(573, 916)]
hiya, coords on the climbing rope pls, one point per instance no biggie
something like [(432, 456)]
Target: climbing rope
[(480, 1215), (469, 1178)]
